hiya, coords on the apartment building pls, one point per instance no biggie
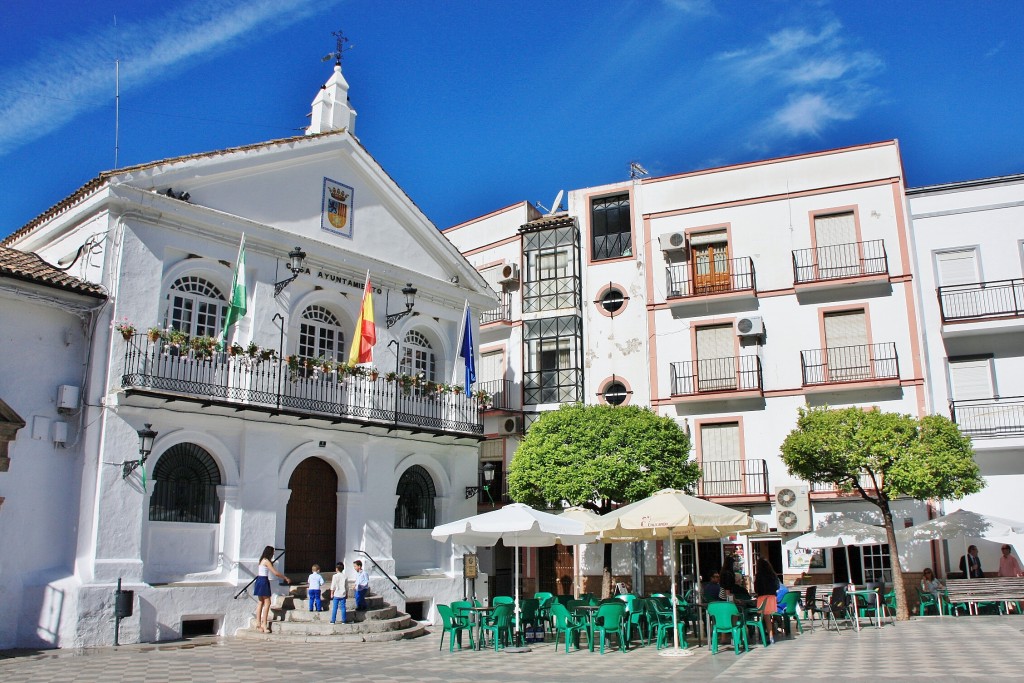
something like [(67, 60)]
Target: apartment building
[(969, 247), (726, 299)]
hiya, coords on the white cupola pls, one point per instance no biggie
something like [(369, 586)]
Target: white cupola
[(331, 108)]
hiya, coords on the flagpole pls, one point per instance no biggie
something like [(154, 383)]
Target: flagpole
[(458, 344), (233, 309)]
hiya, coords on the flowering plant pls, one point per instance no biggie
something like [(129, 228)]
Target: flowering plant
[(125, 327)]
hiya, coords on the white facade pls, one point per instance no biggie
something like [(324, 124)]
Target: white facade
[(269, 454), (727, 299), (969, 248)]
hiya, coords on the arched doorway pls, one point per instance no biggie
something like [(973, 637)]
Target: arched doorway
[(311, 522)]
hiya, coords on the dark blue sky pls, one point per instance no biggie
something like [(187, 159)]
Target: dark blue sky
[(472, 106)]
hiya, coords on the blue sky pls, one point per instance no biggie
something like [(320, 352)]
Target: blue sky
[(472, 106)]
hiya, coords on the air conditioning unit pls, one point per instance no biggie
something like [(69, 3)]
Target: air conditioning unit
[(509, 274), (511, 425), (673, 241), (793, 508), (751, 326)]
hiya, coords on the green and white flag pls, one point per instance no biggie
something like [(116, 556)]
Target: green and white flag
[(236, 307)]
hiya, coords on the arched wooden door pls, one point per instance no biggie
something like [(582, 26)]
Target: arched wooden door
[(311, 522)]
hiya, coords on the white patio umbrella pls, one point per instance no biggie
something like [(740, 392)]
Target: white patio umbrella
[(962, 524), (517, 524), (671, 514), (844, 532)]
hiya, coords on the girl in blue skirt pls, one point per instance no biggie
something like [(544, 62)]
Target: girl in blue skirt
[(261, 589)]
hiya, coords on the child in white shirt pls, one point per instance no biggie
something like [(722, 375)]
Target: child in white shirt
[(315, 581), (339, 593)]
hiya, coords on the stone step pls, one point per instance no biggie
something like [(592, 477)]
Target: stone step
[(297, 602), (413, 630), (325, 627), (385, 612)]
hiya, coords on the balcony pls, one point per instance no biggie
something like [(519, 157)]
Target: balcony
[(840, 265), (733, 478), (553, 386), (871, 364), (997, 305), (989, 418), (506, 395), (725, 279), (501, 314), (717, 378), (271, 386), (826, 489)]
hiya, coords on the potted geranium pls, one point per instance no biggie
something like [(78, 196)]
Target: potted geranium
[(456, 388), (373, 374), (155, 334), (125, 327)]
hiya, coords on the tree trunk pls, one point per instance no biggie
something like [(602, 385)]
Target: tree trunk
[(902, 610), (606, 575)]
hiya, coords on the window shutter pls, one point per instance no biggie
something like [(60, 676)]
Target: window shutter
[(957, 267), (492, 366), (970, 379), (835, 229), (848, 328), (720, 442)]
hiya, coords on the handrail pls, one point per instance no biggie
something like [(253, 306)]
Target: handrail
[(253, 579), (381, 569)]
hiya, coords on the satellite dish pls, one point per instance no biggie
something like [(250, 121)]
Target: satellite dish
[(555, 205)]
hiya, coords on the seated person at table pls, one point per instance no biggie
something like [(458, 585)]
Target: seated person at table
[(728, 574), (713, 590), (929, 584), (779, 594)]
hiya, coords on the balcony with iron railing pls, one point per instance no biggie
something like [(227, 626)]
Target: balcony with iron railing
[(733, 478), (274, 386), (501, 314), (836, 264), (989, 418), (740, 375), (729, 278), (505, 395), (983, 301), (827, 488), (846, 365)]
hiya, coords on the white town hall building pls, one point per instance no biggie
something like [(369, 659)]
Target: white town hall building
[(270, 443)]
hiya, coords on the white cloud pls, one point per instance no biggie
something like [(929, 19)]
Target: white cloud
[(805, 79), (76, 75)]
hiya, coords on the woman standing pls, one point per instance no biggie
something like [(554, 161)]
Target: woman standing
[(766, 583), (261, 589)]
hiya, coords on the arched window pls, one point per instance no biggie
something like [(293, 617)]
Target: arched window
[(321, 335), (417, 356), (197, 307), (185, 482), (416, 493)]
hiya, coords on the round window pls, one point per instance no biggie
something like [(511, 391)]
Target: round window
[(612, 300), (615, 393)]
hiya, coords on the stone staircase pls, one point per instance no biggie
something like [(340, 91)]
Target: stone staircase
[(293, 622)]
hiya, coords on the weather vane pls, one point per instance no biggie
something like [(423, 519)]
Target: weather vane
[(340, 48)]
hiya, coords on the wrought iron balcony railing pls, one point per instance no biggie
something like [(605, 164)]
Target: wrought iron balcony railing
[(505, 394), (856, 259), (850, 364), (733, 478), (989, 417), (736, 373), (273, 385), (981, 300), (503, 313), (726, 276)]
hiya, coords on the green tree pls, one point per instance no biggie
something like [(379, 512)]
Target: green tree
[(883, 456), (598, 456)]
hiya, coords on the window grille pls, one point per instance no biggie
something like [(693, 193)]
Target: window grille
[(553, 373), (416, 493), (610, 228), (185, 482)]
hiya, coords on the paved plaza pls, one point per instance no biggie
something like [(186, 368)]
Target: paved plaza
[(961, 649)]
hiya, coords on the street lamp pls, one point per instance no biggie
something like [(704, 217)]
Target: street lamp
[(410, 300), (146, 438), (488, 471), (296, 264)]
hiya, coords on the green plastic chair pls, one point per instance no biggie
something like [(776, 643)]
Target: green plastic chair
[(789, 608), (503, 600), (637, 619), (529, 615), (565, 624), (545, 599), (499, 625), (726, 618), (659, 622), (461, 612), (609, 619), (756, 618), (454, 627), (926, 601)]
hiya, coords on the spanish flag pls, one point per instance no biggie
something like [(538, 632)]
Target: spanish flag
[(366, 329)]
